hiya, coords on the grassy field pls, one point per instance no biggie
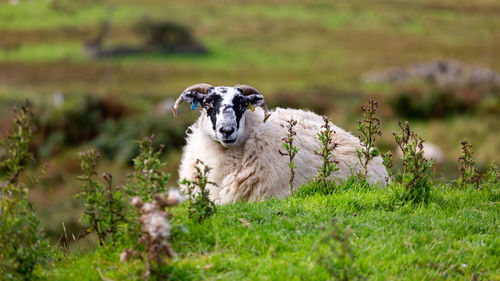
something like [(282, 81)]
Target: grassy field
[(454, 237), (278, 46)]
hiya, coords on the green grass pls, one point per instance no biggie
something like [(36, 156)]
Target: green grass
[(40, 14), (44, 52), (456, 235)]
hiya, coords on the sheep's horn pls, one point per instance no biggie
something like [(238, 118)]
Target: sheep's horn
[(201, 88), (249, 90)]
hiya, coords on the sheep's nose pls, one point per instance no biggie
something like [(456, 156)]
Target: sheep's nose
[(226, 130)]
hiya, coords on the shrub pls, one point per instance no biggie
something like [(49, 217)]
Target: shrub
[(291, 150), (425, 101), (22, 244), (325, 151), (116, 139), (468, 175), (200, 206), (369, 128), (167, 36), (103, 203), (108, 124), (79, 119), (417, 171), (429, 102), (105, 210), (147, 178)]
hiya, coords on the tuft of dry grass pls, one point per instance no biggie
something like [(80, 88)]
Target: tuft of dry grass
[(156, 231)]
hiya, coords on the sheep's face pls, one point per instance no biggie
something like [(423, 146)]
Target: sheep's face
[(225, 108)]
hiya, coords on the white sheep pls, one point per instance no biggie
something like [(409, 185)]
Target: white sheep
[(242, 148)]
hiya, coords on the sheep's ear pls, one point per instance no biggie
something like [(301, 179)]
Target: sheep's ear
[(191, 96), (255, 99)]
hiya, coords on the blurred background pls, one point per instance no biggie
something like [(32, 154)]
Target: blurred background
[(104, 74)]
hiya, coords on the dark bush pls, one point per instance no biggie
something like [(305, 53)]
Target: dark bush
[(420, 103), (436, 102), (103, 202), (116, 139), (77, 121), (22, 243), (439, 88), (168, 37), (108, 124)]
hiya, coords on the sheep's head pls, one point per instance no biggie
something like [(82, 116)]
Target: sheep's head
[(225, 108)]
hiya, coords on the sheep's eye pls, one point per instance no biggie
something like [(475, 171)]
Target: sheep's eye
[(208, 104)]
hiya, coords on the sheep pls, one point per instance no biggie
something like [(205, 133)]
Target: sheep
[(241, 146)]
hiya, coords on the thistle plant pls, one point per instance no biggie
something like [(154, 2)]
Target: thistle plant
[(325, 150), (417, 171), (147, 178), (103, 203), (369, 128), (290, 150), (200, 206), (468, 175), (22, 244)]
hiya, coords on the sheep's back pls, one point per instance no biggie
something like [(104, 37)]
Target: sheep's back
[(307, 161)]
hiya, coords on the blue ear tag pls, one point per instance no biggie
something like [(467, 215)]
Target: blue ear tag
[(194, 105)]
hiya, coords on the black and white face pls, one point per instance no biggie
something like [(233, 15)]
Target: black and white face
[(225, 110)]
